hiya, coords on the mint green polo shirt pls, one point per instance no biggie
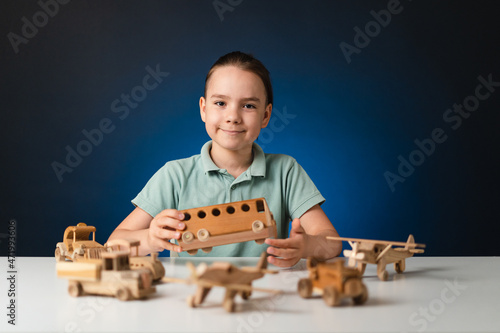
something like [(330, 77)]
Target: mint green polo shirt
[(196, 182)]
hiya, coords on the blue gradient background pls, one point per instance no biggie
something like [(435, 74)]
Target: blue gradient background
[(351, 120)]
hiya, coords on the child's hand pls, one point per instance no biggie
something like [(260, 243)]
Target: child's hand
[(163, 227), (289, 250)]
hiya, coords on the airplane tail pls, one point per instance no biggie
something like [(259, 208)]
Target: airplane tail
[(412, 247), (410, 240)]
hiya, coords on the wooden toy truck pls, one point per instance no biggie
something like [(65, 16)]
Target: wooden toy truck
[(137, 262), (77, 245), (111, 275), (334, 281), (229, 223)]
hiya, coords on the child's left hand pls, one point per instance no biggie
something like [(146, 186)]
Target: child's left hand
[(288, 251)]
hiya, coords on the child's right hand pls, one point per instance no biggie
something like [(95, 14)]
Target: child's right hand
[(163, 228)]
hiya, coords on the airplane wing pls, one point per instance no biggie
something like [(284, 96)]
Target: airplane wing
[(372, 241), (243, 287)]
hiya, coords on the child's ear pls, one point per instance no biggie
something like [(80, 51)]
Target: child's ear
[(267, 115), (202, 108)]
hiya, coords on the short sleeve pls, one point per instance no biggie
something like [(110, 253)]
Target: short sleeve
[(301, 193), (160, 191)]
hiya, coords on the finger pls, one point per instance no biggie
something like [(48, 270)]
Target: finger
[(161, 244), (173, 213), (282, 243), (282, 262), (169, 222), (165, 233), (283, 253)]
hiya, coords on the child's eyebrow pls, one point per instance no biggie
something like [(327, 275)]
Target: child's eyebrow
[(254, 99)]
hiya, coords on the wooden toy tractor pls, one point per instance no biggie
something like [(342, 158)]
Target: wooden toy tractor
[(152, 263), (334, 281)]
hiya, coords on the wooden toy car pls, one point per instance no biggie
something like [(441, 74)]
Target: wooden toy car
[(77, 245), (137, 262), (111, 275), (380, 253), (236, 281), (229, 223), (334, 281)]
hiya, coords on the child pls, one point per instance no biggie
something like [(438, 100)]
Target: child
[(237, 104)]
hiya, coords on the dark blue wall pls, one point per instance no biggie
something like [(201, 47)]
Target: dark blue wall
[(349, 120)]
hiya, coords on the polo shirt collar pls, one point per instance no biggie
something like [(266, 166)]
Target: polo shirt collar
[(257, 168)]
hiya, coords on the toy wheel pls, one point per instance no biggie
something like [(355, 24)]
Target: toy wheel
[(383, 275), (123, 294), (353, 286), (203, 235), (331, 296), (358, 300), (187, 237), (75, 288), (260, 241), (305, 288), (257, 226), (246, 294), (400, 266), (207, 249), (192, 252), (57, 254)]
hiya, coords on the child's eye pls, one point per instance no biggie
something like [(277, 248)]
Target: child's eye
[(249, 106), (219, 103)]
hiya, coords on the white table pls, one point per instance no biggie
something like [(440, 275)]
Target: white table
[(435, 294)]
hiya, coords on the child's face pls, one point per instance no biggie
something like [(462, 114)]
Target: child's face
[(234, 109)]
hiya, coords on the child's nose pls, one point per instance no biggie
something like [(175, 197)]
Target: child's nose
[(233, 115)]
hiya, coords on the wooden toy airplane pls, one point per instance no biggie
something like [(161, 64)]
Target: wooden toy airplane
[(381, 253), (223, 274)]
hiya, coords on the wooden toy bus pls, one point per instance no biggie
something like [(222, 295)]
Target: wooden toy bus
[(229, 223)]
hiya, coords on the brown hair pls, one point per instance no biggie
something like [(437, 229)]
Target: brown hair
[(248, 63)]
